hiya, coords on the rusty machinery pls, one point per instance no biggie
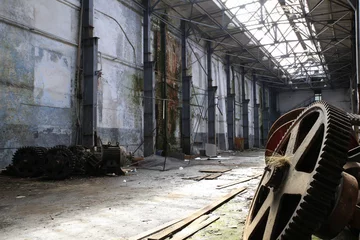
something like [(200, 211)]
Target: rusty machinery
[(60, 162), (310, 184)]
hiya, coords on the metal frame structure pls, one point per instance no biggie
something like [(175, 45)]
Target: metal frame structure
[(323, 29)]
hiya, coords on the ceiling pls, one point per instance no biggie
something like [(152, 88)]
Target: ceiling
[(289, 44)]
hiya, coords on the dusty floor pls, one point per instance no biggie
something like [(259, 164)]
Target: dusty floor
[(120, 207)]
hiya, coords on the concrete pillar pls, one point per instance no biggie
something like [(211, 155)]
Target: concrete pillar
[(90, 78), (211, 97), (149, 85), (230, 106), (186, 96), (245, 112)]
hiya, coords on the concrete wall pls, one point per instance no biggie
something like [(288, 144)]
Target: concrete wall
[(120, 103), (338, 97), (38, 59), (37, 73)]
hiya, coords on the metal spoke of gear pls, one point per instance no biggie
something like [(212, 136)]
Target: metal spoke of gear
[(297, 192)]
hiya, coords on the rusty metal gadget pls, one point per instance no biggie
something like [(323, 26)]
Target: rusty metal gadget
[(311, 192)]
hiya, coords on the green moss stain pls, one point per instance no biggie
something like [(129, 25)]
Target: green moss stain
[(137, 86), (173, 81)]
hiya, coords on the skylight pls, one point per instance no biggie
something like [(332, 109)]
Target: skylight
[(279, 27)]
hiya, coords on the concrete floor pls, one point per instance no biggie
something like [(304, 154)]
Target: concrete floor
[(121, 207)]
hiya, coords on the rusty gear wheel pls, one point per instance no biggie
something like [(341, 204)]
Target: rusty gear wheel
[(315, 148), (28, 161), (79, 152), (59, 162)]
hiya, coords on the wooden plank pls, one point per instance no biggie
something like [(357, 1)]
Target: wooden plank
[(154, 230), (213, 176), (201, 177), (193, 228), (186, 221), (215, 170), (238, 182)]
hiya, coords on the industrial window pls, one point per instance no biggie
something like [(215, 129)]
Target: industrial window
[(318, 96)]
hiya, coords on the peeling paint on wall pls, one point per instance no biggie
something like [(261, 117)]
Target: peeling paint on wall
[(36, 75)]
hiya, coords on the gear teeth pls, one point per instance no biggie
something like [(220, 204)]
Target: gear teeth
[(28, 161), (60, 162), (316, 204)]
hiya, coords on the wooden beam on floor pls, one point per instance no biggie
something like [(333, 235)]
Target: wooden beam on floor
[(154, 230), (215, 170), (213, 176), (186, 221), (194, 227)]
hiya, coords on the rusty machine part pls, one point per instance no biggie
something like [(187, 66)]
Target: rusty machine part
[(296, 198), (93, 163), (289, 116), (111, 159), (28, 161), (80, 164), (60, 162), (279, 128)]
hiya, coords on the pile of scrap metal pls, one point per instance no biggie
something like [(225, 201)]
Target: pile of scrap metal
[(310, 185), (61, 162)]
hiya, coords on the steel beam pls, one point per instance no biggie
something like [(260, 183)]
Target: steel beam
[(90, 78), (164, 87), (230, 106), (256, 113), (149, 85), (186, 96), (211, 97), (265, 115), (245, 110)]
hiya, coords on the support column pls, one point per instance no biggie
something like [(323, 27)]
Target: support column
[(211, 98), (90, 79), (186, 96), (149, 85), (230, 106), (357, 50), (265, 116), (164, 87), (256, 114), (273, 111), (245, 112)]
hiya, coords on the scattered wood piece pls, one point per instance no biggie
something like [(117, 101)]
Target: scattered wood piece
[(186, 221), (238, 182), (215, 170), (201, 177), (193, 228), (191, 156), (154, 230), (213, 176), (190, 178)]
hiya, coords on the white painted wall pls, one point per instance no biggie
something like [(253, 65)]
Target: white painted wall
[(287, 100), (120, 115)]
